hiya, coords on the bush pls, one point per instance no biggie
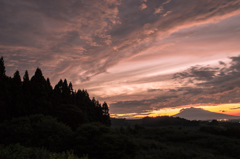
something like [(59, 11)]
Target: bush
[(71, 115), (17, 151), (38, 131), (99, 141)]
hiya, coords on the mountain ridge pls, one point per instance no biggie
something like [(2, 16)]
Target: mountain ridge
[(201, 114)]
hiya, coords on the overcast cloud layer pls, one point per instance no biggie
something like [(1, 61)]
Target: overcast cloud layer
[(138, 55)]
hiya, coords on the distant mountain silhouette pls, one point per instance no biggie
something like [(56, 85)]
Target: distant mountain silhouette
[(201, 114)]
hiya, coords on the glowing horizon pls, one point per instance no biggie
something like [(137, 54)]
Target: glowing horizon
[(228, 109)]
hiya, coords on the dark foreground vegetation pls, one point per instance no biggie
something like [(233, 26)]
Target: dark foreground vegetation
[(41, 122), (202, 142)]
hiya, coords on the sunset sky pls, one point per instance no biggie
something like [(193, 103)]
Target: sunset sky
[(143, 57)]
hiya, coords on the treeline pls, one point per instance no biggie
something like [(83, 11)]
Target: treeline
[(168, 121), (39, 121), (36, 96), (186, 143), (154, 122)]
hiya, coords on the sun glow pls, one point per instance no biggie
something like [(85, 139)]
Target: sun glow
[(229, 109)]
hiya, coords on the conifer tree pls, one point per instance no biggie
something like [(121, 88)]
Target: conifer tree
[(26, 88), (65, 92), (26, 84), (106, 117), (65, 88), (49, 87), (105, 109), (38, 73), (26, 77), (70, 88), (39, 93), (16, 91), (4, 92), (58, 87), (39, 84), (17, 79), (2, 68), (48, 83), (38, 80)]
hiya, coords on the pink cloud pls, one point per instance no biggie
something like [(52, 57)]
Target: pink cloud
[(143, 6)]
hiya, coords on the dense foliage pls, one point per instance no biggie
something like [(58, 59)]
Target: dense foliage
[(202, 142), (17, 151), (154, 121), (166, 120)]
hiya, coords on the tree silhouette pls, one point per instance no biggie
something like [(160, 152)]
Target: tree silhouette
[(17, 79), (26, 77), (2, 68), (49, 87), (71, 88), (5, 95), (39, 84), (106, 117)]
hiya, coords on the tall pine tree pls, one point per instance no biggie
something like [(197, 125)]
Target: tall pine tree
[(106, 116), (5, 96)]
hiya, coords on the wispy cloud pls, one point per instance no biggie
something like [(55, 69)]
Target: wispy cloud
[(143, 6)]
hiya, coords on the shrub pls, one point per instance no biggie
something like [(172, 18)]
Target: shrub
[(17, 151), (99, 141), (38, 131)]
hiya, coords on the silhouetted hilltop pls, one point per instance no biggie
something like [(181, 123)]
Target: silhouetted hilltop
[(201, 114), (153, 121), (167, 121)]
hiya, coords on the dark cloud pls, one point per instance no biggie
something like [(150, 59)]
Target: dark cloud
[(235, 108), (215, 88), (222, 86), (222, 63), (219, 80), (197, 73), (154, 90), (139, 106)]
